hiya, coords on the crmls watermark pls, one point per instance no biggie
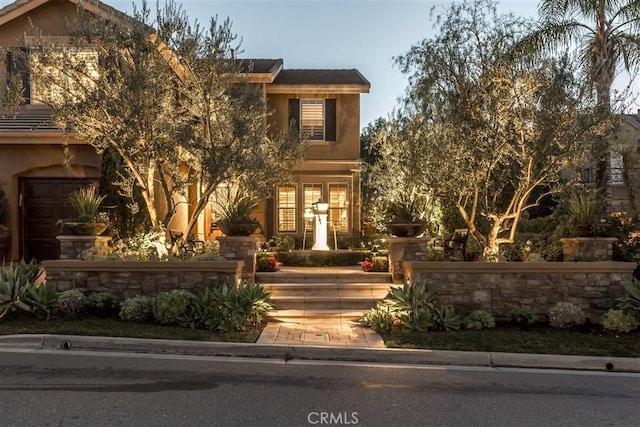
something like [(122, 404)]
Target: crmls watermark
[(333, 418)]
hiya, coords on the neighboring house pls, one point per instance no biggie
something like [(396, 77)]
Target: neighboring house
[(623, 184), (40, 165), (624, 164)]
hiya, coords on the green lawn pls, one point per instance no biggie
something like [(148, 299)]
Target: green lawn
[(593, 343), (535, 340), (118, 328)]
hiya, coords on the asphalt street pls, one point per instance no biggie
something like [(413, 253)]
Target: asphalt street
[(78, 388)]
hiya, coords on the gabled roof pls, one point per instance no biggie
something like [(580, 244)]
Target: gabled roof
[(21, 7), (335, 81), (260, 70), (321, 77)]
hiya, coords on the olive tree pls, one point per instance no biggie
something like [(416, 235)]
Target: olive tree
[(167, 95), (487, 129)]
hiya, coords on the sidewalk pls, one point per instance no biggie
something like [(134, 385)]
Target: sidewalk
[(311, 352)]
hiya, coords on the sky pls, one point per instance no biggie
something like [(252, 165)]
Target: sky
[(361, 34)]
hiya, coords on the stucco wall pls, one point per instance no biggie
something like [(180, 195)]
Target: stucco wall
[(44, 158), (347, 144), (502, 287)]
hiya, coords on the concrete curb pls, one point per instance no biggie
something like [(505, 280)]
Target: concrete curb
[(288, 352)]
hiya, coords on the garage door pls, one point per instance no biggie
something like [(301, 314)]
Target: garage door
[(43, 202)]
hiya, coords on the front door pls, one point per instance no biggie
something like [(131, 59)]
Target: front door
[(44, 201)]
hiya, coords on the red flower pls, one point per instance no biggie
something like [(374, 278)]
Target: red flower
[(367, 265)]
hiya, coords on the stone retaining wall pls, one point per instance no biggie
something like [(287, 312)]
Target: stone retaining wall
[(502, 287), (128, 279), (72, 247)]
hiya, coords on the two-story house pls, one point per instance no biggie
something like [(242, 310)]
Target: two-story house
[(40, 165)]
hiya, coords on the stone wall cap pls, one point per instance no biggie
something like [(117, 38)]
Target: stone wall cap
[(521, 267), (81, 238), (124, 266)]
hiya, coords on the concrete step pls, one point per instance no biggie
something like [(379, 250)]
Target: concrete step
[(325, 303), (316, 317), (378, 290), (295, 277)]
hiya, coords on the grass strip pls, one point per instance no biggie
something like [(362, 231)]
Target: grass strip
[(119, 328), (521, 341)]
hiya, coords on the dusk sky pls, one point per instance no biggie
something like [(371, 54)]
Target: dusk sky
[(362, 34)]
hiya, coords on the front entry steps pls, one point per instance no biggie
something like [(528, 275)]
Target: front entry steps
[(328, 295)]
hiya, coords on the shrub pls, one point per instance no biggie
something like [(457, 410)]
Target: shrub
[(446, 318), (325, 259), (630, 303), (137, 309), (321, 259), (564, 315), (102, 304), (266, 261), (170, 307), (282, 242), (380, 318), (71, 303), (536, 236), (151, 246), (380, 263), (479, 320), (522, 316), (207, 256), (618, 321)]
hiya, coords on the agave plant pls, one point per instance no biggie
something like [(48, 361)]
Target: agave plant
[(446, 318), (413, 303), (235, 210), (630, 303), (16, 281), (86, 203)]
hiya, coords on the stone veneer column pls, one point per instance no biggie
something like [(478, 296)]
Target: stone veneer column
[(587, 248), (405, 249), (240, 248), (72, 246)]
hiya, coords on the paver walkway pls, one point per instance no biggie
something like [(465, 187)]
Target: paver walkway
[(307, 327), (339, 334)]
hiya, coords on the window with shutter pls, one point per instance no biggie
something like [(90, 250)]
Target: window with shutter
[(312, 119), (315, 119)]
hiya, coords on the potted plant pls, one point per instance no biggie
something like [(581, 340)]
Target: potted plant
[(235, 213), (406, 218), (5, 231), (86, 203), (583, 212)]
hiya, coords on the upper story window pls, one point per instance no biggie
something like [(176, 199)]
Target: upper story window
[(68, 73), (65, 73), (312, 119)]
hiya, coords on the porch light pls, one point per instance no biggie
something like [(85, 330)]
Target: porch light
[(320, 209)]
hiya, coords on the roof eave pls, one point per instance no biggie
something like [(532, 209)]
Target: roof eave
[(341, 89)]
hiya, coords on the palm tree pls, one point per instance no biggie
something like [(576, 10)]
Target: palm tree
[(606, 34)]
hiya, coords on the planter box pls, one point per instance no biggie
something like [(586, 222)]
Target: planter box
[(587, 248)]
